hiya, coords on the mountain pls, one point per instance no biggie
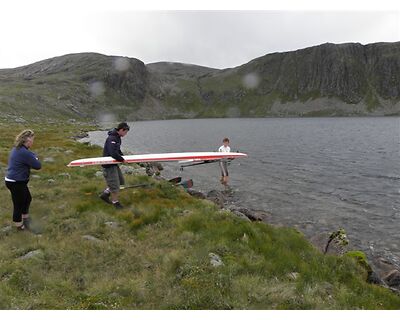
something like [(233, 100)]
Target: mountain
[(326, 80)]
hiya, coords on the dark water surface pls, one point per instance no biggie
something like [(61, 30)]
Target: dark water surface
[(317, 174)]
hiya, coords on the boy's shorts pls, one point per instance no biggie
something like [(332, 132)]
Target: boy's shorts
[(114, 177), (224, 168)]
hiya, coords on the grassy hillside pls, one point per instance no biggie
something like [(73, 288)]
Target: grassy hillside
[(155, 254)]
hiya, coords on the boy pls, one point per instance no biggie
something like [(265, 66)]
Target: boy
[(224, 162)]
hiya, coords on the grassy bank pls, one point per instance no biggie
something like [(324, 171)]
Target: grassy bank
[(155, 254)]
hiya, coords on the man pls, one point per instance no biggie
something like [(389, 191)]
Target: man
[(112, 173)]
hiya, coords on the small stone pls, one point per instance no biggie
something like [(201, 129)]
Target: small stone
[(99, 174), (31, 254), (91, 238), (51, 180), (293, 275), (6, 229), (112, 224), (35, 176), (48, 159), (215, 260)]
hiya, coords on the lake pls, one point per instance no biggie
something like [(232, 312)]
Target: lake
[(316, 174)]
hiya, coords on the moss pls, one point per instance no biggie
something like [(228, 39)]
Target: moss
[(361, 259)]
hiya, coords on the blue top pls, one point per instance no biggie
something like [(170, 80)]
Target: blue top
[(20, 162)]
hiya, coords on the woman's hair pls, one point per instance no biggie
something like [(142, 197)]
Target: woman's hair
[(23, 137)]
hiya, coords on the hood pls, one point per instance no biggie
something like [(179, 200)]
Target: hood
[(113, 132)]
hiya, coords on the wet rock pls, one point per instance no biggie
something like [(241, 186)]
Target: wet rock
[(31, 254), (393, 279), (196, 194), (215, 260), (240, 215), (217, 197)]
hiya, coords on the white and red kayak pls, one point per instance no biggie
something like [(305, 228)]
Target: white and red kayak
[(160, 157)]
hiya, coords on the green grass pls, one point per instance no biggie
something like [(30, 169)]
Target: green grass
[(157, 257)]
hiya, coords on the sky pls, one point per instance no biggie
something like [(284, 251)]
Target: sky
[(208, 35)]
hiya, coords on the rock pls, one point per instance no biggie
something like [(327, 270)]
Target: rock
[(154, 168), (112, 224), (374, 278), (196, 194), (293, 275), (240, 215), (215, 260), (65, 174), (31, 254), (51, 180), (69, 152), (132, 170), (20, 120), (99, 174), (35, 176), (217, 197), (48, 160), (253, 215), (91, 238), (6, 229), (323, 243), (393, 279)]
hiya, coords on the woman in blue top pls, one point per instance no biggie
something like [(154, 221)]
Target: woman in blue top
[(20, 162)]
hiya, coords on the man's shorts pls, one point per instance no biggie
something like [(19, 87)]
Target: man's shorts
[(114, 177)]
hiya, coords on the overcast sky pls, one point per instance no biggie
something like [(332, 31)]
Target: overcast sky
[(219, 39)]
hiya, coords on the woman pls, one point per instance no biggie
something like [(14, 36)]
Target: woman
[(20, 162)]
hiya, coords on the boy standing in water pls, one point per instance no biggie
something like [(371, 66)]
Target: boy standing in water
[(224, 162), (112, 173)]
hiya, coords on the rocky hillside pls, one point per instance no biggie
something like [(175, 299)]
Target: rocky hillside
[(325, 80)]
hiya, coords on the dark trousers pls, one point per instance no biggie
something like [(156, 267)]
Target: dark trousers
[(21, 198)]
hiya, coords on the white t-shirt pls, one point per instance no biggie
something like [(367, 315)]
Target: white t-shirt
[(224, 149)]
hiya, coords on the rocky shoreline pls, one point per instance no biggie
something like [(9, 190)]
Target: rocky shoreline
[(380, 270)]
